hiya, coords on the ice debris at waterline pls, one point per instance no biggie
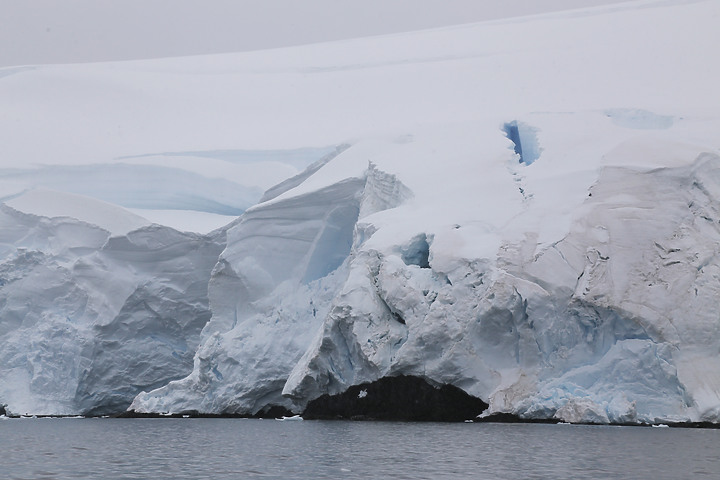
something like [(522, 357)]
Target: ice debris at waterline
[(533, 222), (293, 418)]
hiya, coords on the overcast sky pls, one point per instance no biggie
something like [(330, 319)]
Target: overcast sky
[(69, 31)]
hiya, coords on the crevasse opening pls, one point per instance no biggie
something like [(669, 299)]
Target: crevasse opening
[(524, 139), (417, 252)]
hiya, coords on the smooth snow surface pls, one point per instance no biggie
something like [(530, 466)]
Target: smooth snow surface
[(526, 209), (48, 203)]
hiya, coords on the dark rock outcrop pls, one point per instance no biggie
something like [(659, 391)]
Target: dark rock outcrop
[(397, 398)]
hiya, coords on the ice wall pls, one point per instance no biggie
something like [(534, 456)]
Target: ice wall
[(320, 289), (597, 327), (577, 286), (272, 287), (89, 319)]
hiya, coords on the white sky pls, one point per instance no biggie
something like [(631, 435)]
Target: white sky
[(69, 31)]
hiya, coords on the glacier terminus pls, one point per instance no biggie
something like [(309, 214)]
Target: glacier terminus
[(525, 209)]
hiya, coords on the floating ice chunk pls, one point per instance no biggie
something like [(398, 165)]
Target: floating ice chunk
[(294, 418)]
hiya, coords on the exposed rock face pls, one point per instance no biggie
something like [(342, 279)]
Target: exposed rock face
[(397, 398)]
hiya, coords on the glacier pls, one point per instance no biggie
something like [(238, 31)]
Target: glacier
[(91, 316), (526, 209)]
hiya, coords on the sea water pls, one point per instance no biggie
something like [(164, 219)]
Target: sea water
[(238, 448)]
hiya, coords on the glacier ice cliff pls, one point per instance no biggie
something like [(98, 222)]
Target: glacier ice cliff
[(270, 291), (90, 319), (533, 222), (614, 322)]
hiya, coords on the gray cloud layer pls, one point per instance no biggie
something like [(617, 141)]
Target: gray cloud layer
[(68, 31)]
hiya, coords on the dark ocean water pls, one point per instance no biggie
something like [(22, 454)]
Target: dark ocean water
[(238, 449)]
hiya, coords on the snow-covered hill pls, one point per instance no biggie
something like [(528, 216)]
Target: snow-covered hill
[(526, 209)]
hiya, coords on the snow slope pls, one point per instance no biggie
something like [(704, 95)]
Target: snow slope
[(527, 209), (51, 204)]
